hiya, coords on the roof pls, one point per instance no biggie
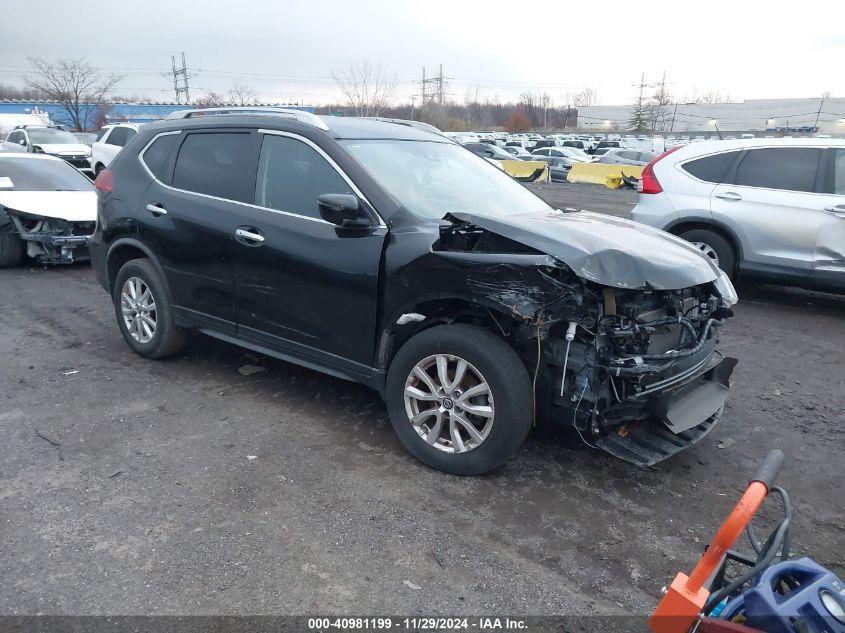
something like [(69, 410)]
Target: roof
[(700, 148), (338, 127)]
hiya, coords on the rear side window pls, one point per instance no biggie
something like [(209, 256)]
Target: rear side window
[(218, 164), (711, 168), (157, 157), (292, 175), (839, 172), (118, 136), (787, 168)]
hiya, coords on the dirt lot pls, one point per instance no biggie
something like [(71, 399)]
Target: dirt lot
[(184, 487)]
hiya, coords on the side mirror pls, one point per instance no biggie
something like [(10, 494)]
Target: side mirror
[(341, 209), (22, 142)]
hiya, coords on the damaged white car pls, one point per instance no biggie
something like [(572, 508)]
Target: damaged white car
[(48, 210)]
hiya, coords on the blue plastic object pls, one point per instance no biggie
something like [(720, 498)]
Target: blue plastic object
[(769, 606)]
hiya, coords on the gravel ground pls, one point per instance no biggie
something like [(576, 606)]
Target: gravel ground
[(181, 486)]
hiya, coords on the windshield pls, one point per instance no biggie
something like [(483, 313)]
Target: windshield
[(32, 174), (573, 151), (432, 179), (51, 135)]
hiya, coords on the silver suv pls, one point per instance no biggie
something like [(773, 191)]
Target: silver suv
[(768, 208)]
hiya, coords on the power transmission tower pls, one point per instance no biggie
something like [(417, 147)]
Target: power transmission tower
[(437, 94), (180, 87)]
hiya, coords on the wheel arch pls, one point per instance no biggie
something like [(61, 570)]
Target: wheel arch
[(438, 310), (708, 224), (126, 249)]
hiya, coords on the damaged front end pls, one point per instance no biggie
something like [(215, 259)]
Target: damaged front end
[(634, 370), (51, 240)]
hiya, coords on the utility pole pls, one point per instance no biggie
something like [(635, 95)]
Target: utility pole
[(674, 112), (413, 98), (180, 87), (818, 114), (422, 105), (440, 89)]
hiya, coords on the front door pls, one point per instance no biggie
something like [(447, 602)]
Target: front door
[(303, 284)]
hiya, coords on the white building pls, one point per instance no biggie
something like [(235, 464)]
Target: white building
[(754, 115)]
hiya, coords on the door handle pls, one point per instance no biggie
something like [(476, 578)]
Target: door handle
[(729, 195), (156, 209), (249, 236), (836, 209)]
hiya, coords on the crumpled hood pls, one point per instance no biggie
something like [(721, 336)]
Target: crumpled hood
[(73, 206), (604, 249), (64, 149)]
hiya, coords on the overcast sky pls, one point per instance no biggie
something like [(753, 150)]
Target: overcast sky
[(287, 50)]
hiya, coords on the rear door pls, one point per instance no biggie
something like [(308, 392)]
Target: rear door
[(829, 256), (774, 205), (191, 213), (305, 285)]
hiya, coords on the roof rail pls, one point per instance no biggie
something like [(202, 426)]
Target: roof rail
[(302, 116), (408, 122)]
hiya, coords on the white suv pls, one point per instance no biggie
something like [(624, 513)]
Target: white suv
[(110, 140), (769, 208)]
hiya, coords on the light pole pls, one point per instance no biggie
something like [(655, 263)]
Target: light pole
[(715, 125)]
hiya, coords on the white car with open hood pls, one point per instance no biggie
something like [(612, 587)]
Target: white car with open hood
[(48, 210)]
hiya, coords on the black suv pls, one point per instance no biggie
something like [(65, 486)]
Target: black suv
[(384, 253)]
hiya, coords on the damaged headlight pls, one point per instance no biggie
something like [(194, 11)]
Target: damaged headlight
[(726, 290)]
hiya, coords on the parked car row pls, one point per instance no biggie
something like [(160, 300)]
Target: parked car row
[(88, 152)]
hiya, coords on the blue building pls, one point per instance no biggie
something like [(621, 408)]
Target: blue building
[(135, 112)]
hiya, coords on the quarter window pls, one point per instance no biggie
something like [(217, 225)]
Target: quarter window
[(292, 175), (217, 164), (787, 168), (157, 156), (711, 168)]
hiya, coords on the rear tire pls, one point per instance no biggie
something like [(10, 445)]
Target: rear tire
[(500, 414), (11, 247), (714, 246), (144, 311)]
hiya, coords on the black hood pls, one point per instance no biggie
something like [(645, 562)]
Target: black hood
[(604, 249)]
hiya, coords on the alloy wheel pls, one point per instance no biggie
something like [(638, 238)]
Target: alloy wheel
[(449, 403), (708, 251), (139, 309)]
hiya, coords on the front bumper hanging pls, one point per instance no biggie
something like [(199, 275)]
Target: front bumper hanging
[(682, 416)]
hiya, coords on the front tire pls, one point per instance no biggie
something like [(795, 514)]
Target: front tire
[(11, 247), (714, 246), (144, 312), (459, 399)]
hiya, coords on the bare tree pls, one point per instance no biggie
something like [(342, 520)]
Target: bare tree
[(586, 97), (709, 96), (79, 87), (210, 99), (367, 87), (658, 110), (242, 95)]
